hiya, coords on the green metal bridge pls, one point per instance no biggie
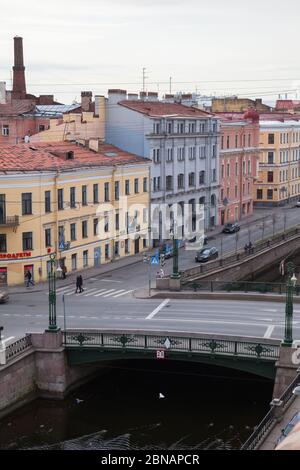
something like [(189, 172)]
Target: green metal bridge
[(254, 355)]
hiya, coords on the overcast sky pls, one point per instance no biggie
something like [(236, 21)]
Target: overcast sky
[(99, 44)]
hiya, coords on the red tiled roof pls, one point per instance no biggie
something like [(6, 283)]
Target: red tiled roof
[(158, 109), (15, 109), (23, 157)]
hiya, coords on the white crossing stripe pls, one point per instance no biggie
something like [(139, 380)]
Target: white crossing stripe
[(157, 309), (124, 293), (269, 331), (61, 289), (91, 292), (99, 292), (113, 293), (105, 292)]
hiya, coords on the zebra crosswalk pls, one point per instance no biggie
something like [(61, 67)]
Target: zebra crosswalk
[(93, 292)]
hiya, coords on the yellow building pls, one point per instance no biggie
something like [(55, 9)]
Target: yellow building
[(88, 207), (278, 180)]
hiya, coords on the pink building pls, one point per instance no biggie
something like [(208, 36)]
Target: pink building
[(239, 157)]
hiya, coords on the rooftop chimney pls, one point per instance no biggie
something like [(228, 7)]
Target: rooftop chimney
[(86, 100), (116, 95), (152, 96), (133, 96), (2, 92), (143, 95), (19, 84)]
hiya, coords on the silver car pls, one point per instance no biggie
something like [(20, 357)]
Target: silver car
[(3, 296)]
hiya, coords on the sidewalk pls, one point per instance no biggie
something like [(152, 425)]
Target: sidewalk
[(86, 274)]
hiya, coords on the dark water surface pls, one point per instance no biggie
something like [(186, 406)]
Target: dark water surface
[(204, 407)]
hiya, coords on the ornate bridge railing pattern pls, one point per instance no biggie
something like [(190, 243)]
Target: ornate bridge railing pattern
[(18, 347), (190, 344)]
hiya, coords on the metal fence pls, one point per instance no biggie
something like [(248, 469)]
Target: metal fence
[(269, 421), (18, 347), (196, 345), (238, 286), (240, 254)]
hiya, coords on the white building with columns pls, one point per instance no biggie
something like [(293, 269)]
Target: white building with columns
[(181, 141)]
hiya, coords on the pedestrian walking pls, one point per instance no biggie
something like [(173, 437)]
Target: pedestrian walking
[(250, 248), (64, 272), (77, 284), (28, 277), (246, 248), (81, 283)]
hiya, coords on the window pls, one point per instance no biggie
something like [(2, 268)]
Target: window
[(214, 175), (202, 152), (145, 184), (136, 185), (156, 128), (235, 191), (202, 177), (95, 225), (270, 176), (117, 190), (236, 141), (95, 193), (127, 188), (156, 183), (117, 249), (3, 248), (270, 194), (271, 139), (180, 127), (26, 203), (214, 150), (259, 194), (228, 142), (117, 221), (270, 158), (169, 183), (106, 222), (2, 208), (5, 130), (169, 128), (126, 246), (222, 170), (169, 155), (192, 153), (192, 179), (84, 228), (60, 199), (85, 258), (228, 170), (47, 201), (106, 192), (180, 154), (84, 195), (222, 142), (73, 197), (106, 250), (41, 127), (73, 231), (27, 241), (236, 169), (192, 127), (249, 140), (249, 167), (156, 155), (180, 181), (74, 261), (48, 237)]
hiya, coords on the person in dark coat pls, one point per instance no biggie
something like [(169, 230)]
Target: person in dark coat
[(28, 277), (79, 283)]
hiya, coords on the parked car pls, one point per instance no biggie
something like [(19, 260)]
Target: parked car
[(231, 228), (297, 203), (206, 254), (204, 238), (3, 296), (289, 427)]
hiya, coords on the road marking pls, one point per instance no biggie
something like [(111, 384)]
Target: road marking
[(123, 293), (105, 292), (94, 318), (71, 316), (70, 292), (222, 322), (269, 310), (82, 317), (91, 292), (108, 280), (61, 289), (7, 339), (113, 293), (157, 309), (269, 331)]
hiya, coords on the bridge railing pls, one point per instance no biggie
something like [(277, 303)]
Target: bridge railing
[(238, 286), (192, 344), (240, 254), (18, 347), (269, 421)]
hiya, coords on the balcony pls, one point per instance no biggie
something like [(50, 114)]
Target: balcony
[(11, 221)]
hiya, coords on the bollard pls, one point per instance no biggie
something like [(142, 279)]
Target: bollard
[(278, 409)]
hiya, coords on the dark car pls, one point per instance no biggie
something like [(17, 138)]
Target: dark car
[(289, 427), (204, 238), (231, 228), (206, 254)]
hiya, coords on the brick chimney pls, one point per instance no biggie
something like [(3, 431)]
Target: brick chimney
[(86, 100), (19, 84)]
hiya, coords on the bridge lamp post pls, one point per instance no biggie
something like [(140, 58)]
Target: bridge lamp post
[(52, 295), (175, 274), (290, 286)]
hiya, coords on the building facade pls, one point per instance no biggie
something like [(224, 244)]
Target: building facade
[(239, 159), (279, 168), (182, 143), (88, 207)]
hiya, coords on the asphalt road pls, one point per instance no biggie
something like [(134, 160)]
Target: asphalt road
[(108, 301)]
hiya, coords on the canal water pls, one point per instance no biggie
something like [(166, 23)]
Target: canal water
[(145, 405)]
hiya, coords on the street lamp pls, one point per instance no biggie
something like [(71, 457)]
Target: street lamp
[(52, 295), (288, 333), (175, 274)]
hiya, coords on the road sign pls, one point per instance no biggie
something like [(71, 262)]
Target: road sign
[(154, 260)]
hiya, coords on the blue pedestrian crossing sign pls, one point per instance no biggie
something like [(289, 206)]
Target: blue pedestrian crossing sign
[(154, 260)]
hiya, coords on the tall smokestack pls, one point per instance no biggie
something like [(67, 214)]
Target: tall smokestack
[(19, 85)]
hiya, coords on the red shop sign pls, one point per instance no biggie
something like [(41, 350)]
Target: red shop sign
[(24, 254)]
